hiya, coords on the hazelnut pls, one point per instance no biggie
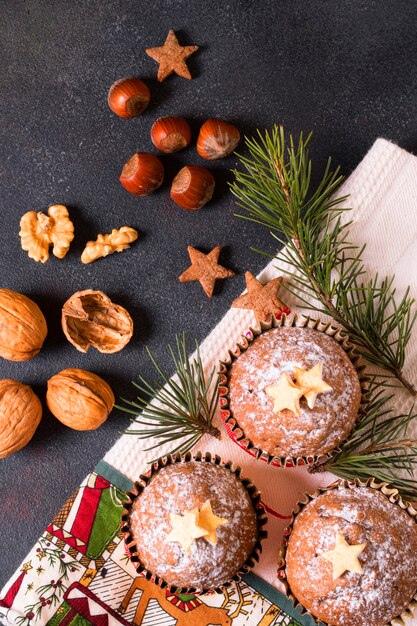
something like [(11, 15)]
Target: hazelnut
[(142, 174), (192, 187), (217, 139), (170, 134), (22, 326), (129, 97), (79, 399), (91, 319), (20, 414)]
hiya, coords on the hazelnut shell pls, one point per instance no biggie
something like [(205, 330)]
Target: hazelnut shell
[(79, 399), (91, 319)]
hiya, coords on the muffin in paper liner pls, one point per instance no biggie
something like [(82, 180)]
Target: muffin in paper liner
[(391, 494), (140, 485), (232, 427)]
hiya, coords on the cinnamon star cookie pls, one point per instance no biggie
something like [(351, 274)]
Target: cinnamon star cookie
[(205, 269), (261, 299), (171, 57)]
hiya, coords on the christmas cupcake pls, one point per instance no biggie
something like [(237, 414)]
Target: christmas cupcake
[(193, 523), (350, 555), (293, 392)]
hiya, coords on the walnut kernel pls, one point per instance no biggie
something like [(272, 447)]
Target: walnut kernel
[(116, 241), (39, 231)]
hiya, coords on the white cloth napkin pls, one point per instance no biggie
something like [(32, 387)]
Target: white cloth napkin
[(383, 197)]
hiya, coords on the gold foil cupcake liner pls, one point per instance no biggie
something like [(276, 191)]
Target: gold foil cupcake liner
[(143, 481), (392, 495), (294, 320)]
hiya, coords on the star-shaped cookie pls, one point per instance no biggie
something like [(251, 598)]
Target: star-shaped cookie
[(261, 299), (205, 269), (286, 394), (344, 557), (185, 528), (312, 380), (210, 522), (171, 57)]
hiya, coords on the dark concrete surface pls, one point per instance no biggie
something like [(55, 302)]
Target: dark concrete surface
[(346, 70)]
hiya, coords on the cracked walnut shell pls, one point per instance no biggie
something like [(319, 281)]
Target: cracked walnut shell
[(91, 319), (20, 414), (79, 399), (39, 231), (22, 326), (117, 241)]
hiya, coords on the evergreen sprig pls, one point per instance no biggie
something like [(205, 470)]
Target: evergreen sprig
[(378, 447), (327, 271), (182, 407)]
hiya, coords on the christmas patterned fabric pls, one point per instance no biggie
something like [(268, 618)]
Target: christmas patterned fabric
[(79, 573)]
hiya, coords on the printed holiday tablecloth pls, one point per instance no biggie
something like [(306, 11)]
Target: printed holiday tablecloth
[(78, 572)]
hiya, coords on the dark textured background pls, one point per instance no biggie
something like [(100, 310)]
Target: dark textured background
[(346, 70)]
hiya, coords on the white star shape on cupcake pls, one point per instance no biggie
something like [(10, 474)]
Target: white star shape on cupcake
[(210, 522), (185, 528), (313, 381), (286, 394), (344, 557)]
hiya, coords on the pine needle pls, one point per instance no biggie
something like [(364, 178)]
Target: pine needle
[(175, 410), (378, 447), (275, 190)]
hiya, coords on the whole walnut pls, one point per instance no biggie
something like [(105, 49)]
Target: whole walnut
[(20, 414), (79, 399), (22, 326)]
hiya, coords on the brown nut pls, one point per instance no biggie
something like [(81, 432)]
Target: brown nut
[(117, 241), (22, 326), (20, 414), (91, 319), (79, 399), (39, 231)]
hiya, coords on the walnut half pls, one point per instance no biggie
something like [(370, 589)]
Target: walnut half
[(39, 231), (91, 319), (116, 241)]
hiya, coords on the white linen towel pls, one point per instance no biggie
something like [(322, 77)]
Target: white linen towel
[(383, 197)]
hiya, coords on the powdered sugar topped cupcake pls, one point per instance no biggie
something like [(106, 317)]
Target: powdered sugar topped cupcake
[(294, 392), (351, 557), (195, 524)]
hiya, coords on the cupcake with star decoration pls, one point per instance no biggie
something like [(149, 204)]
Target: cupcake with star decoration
[(349, 555), (291, 391), (193, 523)]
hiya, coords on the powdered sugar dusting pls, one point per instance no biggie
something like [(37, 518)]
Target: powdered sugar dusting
[(315, 431), (389, 562), (185, 486)]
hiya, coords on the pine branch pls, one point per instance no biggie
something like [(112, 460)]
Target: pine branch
[(327, 273), (183, 407), (378, 447)]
